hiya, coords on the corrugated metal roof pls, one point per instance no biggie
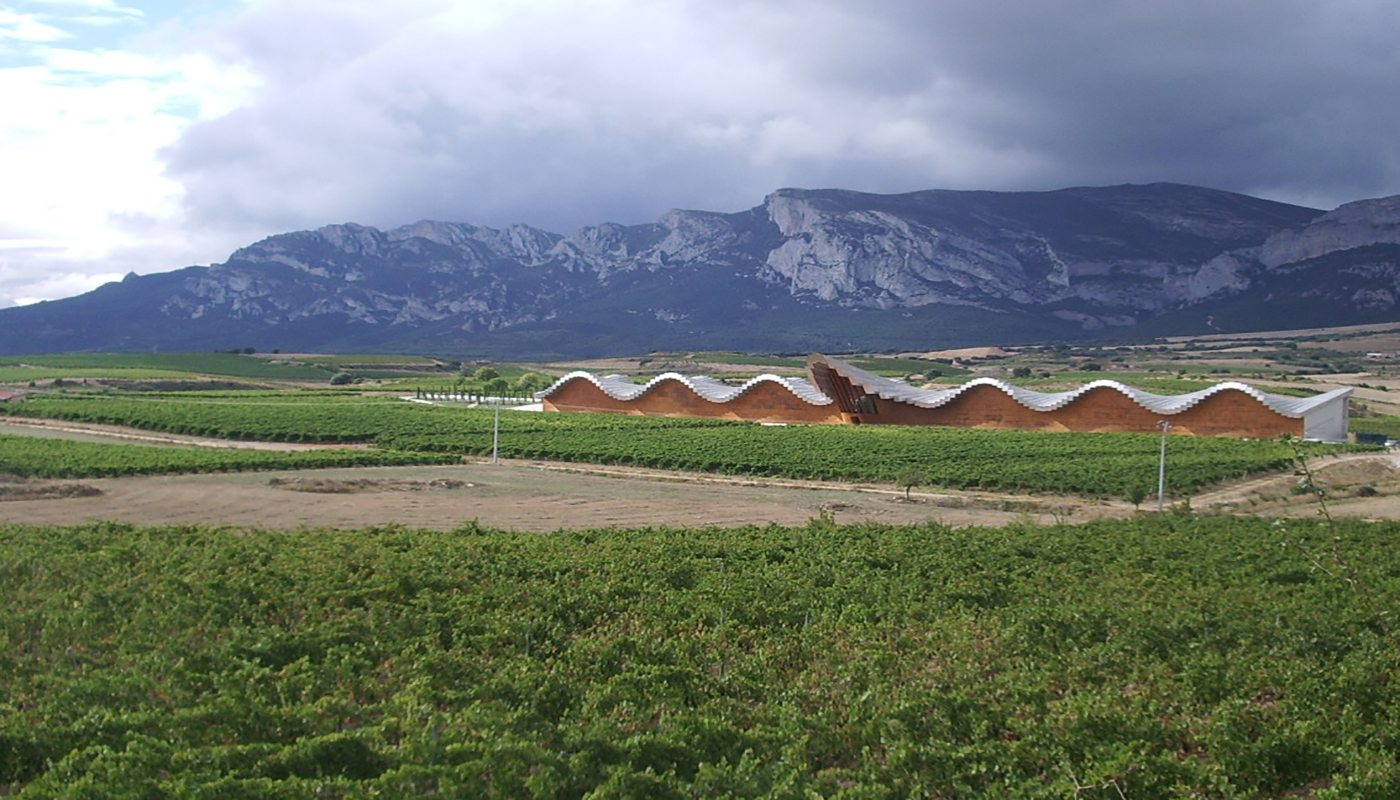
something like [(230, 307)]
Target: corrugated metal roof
[(1167, 405), (619, 388)]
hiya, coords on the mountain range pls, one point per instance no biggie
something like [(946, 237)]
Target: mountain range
[(828, 270)]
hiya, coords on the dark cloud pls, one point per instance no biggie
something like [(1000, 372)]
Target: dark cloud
[(561, 114), (1281, 97)]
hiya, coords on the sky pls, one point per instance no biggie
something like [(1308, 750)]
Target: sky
[(145, 136)]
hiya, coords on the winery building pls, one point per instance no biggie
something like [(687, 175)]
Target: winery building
[(835, 392)]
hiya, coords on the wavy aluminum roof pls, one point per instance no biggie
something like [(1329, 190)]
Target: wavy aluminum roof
[(618, 387), (900, 392)]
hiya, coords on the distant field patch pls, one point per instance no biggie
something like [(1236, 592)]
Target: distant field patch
[(33, 457), (894, 367), (12, 374), (185, 364), (362, 360)]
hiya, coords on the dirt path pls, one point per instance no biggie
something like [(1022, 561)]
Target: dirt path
[(1274, 483), (1357, 485), (514, 495)]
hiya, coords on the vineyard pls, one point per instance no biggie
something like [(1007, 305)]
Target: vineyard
[(1163, 657), (1111, 465), (30, 457), (138, 365)]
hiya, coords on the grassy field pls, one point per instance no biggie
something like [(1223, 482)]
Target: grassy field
[(29, 456), (139, 365), (729, 363), (1384, 424)]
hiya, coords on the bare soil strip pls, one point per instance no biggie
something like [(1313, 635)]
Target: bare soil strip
[(518, 496), (46, 490), (357, 485), (1356, 485)]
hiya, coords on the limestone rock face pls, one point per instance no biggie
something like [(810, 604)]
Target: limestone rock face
[(876, 258), (424, 272), (1114, 253), (1136, 248), (1091, 259), (1227, 273), (1364, 222)]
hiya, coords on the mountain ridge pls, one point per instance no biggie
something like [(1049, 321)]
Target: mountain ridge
[(825, 269)]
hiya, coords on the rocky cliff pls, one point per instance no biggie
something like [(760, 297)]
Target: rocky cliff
[(825, 268)]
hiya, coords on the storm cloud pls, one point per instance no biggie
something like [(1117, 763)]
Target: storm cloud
[(564, 113)]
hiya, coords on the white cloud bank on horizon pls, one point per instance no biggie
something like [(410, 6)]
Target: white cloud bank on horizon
[(81, 149), (196, 137)]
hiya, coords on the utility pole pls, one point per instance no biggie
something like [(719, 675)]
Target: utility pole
[(496, 436), (1162, 466)]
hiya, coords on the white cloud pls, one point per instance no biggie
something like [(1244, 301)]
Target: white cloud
[(87, 145), (82, 162), (25, 28), (23, 288), (84, 9), (85, 5)]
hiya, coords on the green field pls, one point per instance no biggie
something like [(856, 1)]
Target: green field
[(899, 367), (16, 375), (1163, 657), (15, 369), (1099, 464), (1388, 425), (33, 457), (364, 360), (743, 359), (881, 365)]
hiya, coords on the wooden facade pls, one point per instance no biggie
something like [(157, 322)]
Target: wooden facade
[(1229, 413), (766, 401)]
